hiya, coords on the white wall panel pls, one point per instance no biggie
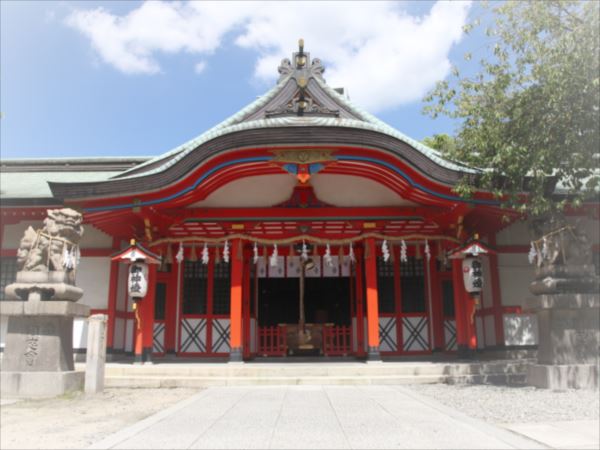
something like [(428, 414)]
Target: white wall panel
[(490, 331), (129, 335), (315, 272), (515, 276), (277, 271), (93, 276), (479, 332), (94, 238), (293, 266), (334, 269), (119, 337), (515, 234), (14, 232), (80, 333), (122, 288), (486, 295)]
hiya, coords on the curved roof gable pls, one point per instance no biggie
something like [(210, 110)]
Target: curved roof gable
[(300, 98)]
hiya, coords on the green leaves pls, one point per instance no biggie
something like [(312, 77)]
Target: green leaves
[(531, 114)]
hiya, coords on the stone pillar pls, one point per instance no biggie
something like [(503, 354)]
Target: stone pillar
[(95, 359), (569, 341), (372, 300), (567, 305), (237, 271)]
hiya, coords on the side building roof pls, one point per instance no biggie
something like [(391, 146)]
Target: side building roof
[(25, 181)]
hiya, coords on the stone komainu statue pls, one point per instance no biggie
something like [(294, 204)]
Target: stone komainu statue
[(55, 247), (564, 262)]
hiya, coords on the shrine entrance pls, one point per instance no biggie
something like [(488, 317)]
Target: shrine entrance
[(304, 306), (327, 316)]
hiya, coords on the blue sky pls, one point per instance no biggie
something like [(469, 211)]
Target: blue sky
[(130, 79)]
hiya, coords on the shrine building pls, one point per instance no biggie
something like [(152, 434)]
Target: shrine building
[(301, 225)]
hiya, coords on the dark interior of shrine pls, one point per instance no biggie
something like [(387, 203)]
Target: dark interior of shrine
[(326, 300)]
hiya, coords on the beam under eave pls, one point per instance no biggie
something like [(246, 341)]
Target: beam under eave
[(303, 214)]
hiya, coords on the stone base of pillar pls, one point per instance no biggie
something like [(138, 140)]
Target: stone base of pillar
[(560, 377), (38, 354), (145, 357), (236, 356), (373, 355), (569, 338), (40, 384), (465, 352)]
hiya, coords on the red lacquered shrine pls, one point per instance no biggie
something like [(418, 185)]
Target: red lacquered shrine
[(301, 225)]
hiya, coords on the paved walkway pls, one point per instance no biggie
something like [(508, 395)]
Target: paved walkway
[(312, 417), (580, 434)]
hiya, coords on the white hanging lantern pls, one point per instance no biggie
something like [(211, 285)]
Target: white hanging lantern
[(274, 256), (205, 258), (403, 250), (226, 252), (255, 254), (137, 283), (179, 255)]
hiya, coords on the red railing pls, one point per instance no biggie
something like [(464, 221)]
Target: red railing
[(271, 341), (337, 341)]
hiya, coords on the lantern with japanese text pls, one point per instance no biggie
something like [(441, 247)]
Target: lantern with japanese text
[(137, 285)]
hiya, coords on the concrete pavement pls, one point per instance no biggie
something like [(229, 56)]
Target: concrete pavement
[(580, 434), (312, 417)]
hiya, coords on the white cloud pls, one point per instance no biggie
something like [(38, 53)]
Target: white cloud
[(199, 67), (382, 55)]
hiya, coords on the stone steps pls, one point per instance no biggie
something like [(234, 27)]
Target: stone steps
[(200, 382), (210, 374)]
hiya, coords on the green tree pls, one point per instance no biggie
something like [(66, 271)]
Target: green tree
[(442, 142), (530, 115)]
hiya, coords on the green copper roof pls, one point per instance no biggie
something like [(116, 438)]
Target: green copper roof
[(35, 184)]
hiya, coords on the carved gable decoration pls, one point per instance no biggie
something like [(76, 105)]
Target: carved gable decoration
[(303, 163), (295, 106), (302, 156), (301, 92)]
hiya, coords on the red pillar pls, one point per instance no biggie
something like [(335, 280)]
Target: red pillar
[(464, 307), (237, 270), (360, 308), (171, 310), (372, 299), (437, 312), (246, 304), (112, 304), (144, 334)]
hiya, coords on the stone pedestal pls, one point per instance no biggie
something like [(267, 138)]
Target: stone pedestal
[(38, 355), (569, 341)]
